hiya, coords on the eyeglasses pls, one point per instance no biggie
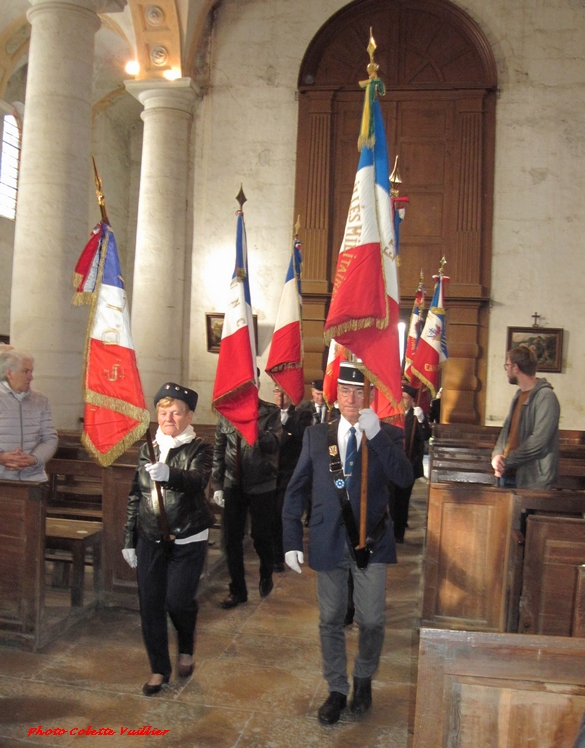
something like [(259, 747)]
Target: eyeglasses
[(347, 391), (507, 365)]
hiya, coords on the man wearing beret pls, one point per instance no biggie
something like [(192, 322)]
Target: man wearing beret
[(336, 500), (168, 574), (417, 430)]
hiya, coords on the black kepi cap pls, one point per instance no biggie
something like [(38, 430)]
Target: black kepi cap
[(176, 391), (317, 384), (410, 390), (350, 374)]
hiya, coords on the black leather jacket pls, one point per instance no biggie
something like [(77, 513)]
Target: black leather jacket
[(188, 512), (258, 468)]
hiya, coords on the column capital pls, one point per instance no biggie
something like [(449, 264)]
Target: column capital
[(95, 6), (163, 94)]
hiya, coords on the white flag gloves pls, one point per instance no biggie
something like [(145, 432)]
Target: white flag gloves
[(130, 557), (369, 422), (218, 498), (419, 413), (294, 559), (158, 471)]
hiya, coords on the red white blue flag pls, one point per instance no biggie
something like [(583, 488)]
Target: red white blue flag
[(414, 329), (364, 312), (431, 351), (285, 361), (235, 391), (115, 411)]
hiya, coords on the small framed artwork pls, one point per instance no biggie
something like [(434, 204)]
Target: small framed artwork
[(546, 342), (214, 328)]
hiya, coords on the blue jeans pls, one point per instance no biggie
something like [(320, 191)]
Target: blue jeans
[(369, 598)]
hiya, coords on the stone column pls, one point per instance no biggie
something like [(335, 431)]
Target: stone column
[(160, 261), (51, 224)]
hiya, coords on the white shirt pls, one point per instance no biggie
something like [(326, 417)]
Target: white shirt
[(343, 435)]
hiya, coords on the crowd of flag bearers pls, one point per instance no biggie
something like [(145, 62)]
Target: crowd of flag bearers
[(356, 444)]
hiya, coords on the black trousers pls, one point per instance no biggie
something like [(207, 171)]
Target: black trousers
[(261, 507), (168, 583), (399, 509)]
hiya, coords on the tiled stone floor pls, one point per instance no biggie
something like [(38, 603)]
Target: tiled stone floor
[(257, 682)]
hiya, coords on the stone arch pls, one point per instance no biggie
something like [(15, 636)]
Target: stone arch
[(441, 78)]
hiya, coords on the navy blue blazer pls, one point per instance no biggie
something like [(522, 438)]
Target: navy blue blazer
[(387, 461)]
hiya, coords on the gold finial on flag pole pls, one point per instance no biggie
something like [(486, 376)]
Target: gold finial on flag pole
[(99, 193), (297, 226), (443, 263), (240, 197), (372, 66), (395, 179)]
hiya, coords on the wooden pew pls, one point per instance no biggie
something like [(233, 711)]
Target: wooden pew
[(505, 690), (555, 549), (474, 558)]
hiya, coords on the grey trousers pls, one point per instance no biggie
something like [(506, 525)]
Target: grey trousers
[(369, 598)]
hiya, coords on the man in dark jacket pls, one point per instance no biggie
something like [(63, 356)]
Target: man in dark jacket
[(168, 574), (416, 431), (331, 553), (526, 454), (244, 480)]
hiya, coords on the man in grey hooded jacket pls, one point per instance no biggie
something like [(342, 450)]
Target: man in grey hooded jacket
[(28, 438), (526, 454)]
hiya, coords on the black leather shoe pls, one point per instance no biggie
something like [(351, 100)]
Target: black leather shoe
[(265, 586), (232, 601), (185, 671), (149, 690), (330, 710), (362, 695)]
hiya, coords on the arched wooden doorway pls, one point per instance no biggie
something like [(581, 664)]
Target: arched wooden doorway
[(439, 108)]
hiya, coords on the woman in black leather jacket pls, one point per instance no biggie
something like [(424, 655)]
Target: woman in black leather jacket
[(168, 577)]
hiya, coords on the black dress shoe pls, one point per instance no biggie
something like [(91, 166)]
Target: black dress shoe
[(149, 690), (232, 601), (362, 695), (185, 671), (265, 586), (330, 710)]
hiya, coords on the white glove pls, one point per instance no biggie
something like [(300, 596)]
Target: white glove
[(130, 557), (419, 413), (158, 471), (369, 422), (293, 559), (218, 498)]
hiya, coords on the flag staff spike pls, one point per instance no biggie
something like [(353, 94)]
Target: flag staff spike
[(395, 179), (372, 65), (99, 193), (297, 226), (442, 267), (241, 198)]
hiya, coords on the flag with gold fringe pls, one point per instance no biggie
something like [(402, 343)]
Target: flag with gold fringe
[(115, 413), (364, 312), (414, 328)]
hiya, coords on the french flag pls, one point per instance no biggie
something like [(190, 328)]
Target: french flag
[(414, 330), (364, 312), (235, 391), (285, 361), (115, 411), (431, 352)]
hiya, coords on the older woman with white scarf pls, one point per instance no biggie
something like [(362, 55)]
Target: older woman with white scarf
[(168, 575)]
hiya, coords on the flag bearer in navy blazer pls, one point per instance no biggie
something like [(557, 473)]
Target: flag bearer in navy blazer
[(331, 553)]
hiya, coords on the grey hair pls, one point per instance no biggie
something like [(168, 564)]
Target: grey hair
[(11, 360)]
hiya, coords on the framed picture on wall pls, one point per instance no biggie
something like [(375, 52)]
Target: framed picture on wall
[(214, 329), (546, 342)]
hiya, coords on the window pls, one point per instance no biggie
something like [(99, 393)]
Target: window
[(9, 163)]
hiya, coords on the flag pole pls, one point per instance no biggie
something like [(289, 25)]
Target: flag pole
[(364, 482), (163, 515)]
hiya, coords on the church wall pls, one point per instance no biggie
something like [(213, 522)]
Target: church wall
[(246, 132), (6, 247)]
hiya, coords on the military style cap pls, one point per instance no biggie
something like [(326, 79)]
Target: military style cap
[(176, 391), (350, 374), (409, 390), (317, 384)]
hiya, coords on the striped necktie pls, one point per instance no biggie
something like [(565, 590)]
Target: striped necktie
[(350, 456)]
